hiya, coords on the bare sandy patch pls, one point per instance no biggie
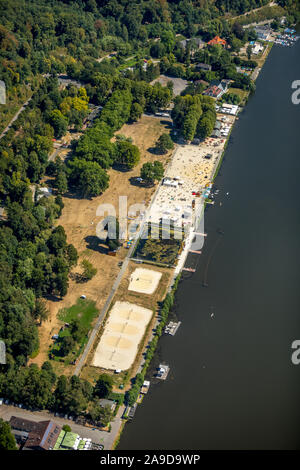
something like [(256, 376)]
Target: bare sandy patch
[(123, 332), (144, 281)]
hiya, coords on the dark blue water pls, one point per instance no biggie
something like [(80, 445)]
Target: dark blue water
[(232, 384)]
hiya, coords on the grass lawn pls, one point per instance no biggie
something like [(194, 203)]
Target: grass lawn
[(237, 91), (131, 62), (85, 311)]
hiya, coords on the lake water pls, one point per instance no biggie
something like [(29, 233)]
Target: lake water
[(232, 384)]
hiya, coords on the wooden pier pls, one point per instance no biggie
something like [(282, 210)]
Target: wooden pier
[(190, 270), (195, 251)]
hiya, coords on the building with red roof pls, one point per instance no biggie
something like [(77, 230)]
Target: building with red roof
[(217, 41)]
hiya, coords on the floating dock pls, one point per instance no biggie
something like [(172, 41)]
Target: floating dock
[(162, 371), (172, 328), (132, 411)]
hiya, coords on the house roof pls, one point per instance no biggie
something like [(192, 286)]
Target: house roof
[(41, 434), (22, 424), (197, 41), (216, 133), (203, 66), (214, 91), (217, 40), (105, 402)]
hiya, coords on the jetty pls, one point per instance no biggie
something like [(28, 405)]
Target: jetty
[(172, 328), (190, 270)]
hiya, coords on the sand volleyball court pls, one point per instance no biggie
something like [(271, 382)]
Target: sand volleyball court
[(123, 332), (144, 281)]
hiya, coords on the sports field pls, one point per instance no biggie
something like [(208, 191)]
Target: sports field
[(123, 332), (144, 281)]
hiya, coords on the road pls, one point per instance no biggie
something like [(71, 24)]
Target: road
[(15, 118), (54, 154), (98, 437)]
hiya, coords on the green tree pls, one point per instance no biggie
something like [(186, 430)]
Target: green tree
[(67, 345), (66, 428), (105, 415), (89, 271), (103, 386), (59, 122), (72, 255), (151, 172), (89, 177), (100, 414), (249, 51), (164, 143), (61, 182), (136, 111), (77, 331), (41, 311), (7, 440), (127, 154)]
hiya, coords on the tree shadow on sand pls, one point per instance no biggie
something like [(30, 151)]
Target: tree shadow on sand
[(95, 244)]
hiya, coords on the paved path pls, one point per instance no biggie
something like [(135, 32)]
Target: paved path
[(15, 118), (53, 155), (98, 437)]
